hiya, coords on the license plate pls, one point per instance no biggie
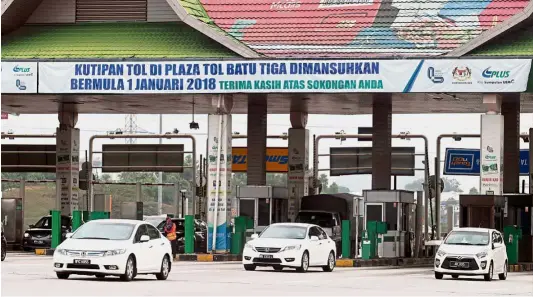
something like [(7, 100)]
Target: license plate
[(460, 264), (82, 261), (38, 241), (266, 256)]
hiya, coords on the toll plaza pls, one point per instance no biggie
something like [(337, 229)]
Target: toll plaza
[(215, 72)]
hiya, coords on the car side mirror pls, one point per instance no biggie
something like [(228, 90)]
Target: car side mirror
[(144, 238), (31, 226), (68, 235), (314, 238), (255, 236)]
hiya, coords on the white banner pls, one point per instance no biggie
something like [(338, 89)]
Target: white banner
[(19, 77), (223, 207), (285, 76), (491, 173)]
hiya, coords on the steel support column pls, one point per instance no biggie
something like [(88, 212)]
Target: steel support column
[(511, 143), (381, 141), (257, 139)]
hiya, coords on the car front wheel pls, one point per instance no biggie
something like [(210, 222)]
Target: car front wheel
[(165, 269), (305, 263), (488, 277), (62, 275), (129, 272), (330, 264)]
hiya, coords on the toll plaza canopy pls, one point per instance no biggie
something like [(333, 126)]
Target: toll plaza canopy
[(422, 41)]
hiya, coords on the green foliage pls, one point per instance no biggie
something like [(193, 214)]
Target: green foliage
[(450, 185)]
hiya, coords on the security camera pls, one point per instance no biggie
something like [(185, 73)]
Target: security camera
[(194, 125)]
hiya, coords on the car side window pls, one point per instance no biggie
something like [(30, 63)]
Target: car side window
[(140, 232), (153, 233), (323, 234), (313, 231)]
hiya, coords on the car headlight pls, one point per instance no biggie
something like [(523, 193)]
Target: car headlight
[(26, 235), (481, 255), (441, 253), (249, 246), (291, 247), (114, 252), (61, 252)]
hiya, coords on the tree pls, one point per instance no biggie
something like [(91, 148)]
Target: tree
[(334, 188), (450, 185), (473, 191)]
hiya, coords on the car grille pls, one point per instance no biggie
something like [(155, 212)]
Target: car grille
[(472, 265), (83, 266), (86, 253), (267, 260), (267, 249)]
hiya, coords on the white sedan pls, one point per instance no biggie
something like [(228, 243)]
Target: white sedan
[(291, 245), (122, 248), (472, 251)]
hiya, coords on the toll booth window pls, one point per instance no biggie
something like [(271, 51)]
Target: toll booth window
[(263, 215), (247, 208), (374, 213), (391, 216)]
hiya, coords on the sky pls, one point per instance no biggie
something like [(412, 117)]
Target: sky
[(430, 125)]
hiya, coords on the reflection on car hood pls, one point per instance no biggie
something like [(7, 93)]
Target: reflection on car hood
[(463, 249), (274, 242), (93, 244)]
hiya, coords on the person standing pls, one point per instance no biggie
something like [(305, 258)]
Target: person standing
[(170, 232)]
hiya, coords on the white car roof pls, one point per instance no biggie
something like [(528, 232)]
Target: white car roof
[(118, 221), (472, 229), (294, 224)]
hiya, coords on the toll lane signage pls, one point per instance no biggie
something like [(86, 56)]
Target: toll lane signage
[(277, 159), (460, 161), (284, 76)]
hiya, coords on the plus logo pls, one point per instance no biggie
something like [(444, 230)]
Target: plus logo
[(435, 76)]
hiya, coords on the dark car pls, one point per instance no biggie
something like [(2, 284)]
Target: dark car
[(4, 244), (39, 235), (200, 235)]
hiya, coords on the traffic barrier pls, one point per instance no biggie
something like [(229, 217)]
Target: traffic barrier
[(44, 252), (521, 267)]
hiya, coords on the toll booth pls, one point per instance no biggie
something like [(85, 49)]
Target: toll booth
[(13, 220), (131, 210), (519, 212), (482, 211), (264, 204), (397, 208)]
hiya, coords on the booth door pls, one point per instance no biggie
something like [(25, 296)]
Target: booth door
[(259, 209)]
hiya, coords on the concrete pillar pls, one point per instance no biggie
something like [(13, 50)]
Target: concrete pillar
[(257, 139), (68, 160), (492, 150), (511, 126), (219, 174), (381, 141), (298, 175)]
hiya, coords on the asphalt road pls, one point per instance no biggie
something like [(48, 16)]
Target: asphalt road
[(33, 275)]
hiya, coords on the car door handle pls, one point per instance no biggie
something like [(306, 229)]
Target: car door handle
[(150, 246), (162, 243)]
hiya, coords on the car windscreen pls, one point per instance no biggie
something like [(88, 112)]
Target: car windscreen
[(467, 238), (285, 232), (44, 222), (106, 231), (322, 219)]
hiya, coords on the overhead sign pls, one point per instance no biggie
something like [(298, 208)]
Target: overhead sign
[(19, 77), (20, 155), (142, 157), (358, 160), (284, 76), (460, 161), (277, 159)]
